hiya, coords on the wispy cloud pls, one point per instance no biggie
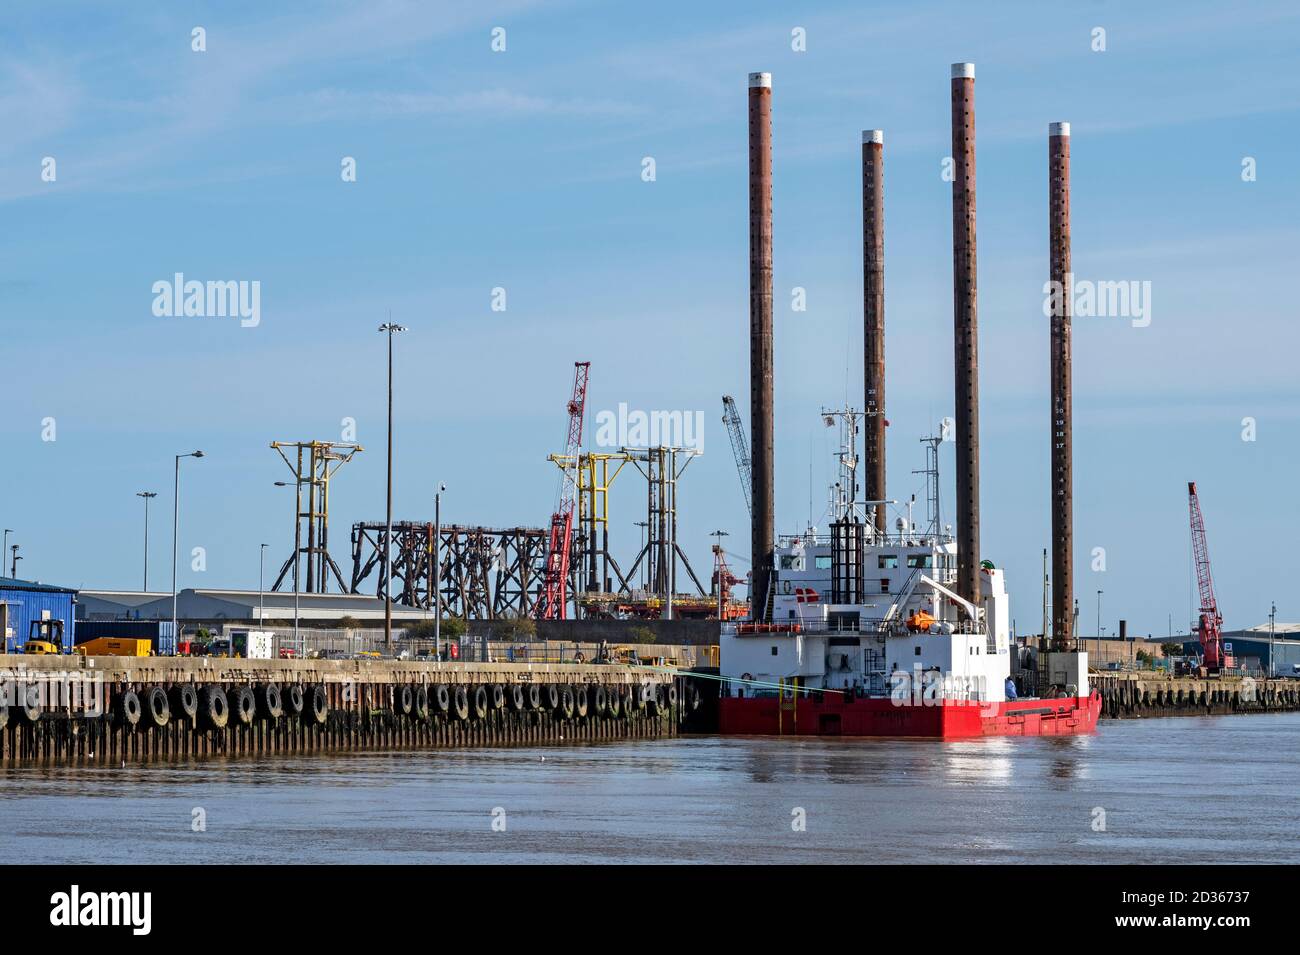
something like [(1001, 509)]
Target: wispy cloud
[(343, 104)]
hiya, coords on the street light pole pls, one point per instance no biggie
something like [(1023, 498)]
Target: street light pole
[(5, 549), (389, 328), (297, 547), (1272, 649), (147, 495), (261, 586), (1099, 626), (176, 523), (437, 572)]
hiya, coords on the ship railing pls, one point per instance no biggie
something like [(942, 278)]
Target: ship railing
[(880, 540)]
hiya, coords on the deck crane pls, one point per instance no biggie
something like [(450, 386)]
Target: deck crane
[(555, 581), (740, 448), (1209, 626)]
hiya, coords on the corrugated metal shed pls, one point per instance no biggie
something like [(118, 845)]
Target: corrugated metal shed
[(28, 600)]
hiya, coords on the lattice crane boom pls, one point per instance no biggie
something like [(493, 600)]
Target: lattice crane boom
[(740, 448), (555, 582), (1210, 624)]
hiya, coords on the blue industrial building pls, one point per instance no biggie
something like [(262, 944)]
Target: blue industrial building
[(22, 601), (1270, 651)]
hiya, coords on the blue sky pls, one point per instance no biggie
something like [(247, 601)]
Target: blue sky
[(522, 169)]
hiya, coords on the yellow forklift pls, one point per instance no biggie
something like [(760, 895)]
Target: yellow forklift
[(45, 636)]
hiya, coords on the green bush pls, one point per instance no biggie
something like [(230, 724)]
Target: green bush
[(642, 635), (453, 628), (515, 628)]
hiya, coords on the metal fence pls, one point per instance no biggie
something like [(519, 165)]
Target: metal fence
[(348, 644)]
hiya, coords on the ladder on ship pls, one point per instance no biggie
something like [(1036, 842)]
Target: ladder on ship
[(1042, 678), (786, 705)]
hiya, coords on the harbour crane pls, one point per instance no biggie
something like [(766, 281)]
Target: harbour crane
[(740, 448), (1209, 627), (555, 581)]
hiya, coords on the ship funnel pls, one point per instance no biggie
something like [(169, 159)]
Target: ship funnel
[(965, 332), (762, 530)]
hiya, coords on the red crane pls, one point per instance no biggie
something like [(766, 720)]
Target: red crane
[(555, 583), (1210, 625)]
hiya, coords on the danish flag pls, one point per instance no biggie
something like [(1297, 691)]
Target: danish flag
[(806, 595)]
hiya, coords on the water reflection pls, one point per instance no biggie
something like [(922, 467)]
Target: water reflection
[(690, 801)]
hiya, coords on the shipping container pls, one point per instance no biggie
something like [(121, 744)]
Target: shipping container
[(159, 633), (251, 644)]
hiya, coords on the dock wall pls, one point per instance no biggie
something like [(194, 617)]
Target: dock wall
[(1135, 695), (111, 710)]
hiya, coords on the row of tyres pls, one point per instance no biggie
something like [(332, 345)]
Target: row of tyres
[(577, 701), (210, 706), (206, 706)]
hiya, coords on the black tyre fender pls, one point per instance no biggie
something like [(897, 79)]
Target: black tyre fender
[(534, 696), (613, 701), (645, 695), (270, 704), (692, 697), (318, 704), (157, 712), (517, 699), (568, 702), (597, 699), (460, 708), (4, 714), (214, 707), (421, 702), (126, 707), (184, 700), (29, 702), (293, 699), (551, 696), (480, 707), (243, 707), (670, 694), (442, 699), (630, 697), (403, 700), (498, 696), (580, 702)]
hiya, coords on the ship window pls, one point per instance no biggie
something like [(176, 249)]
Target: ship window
[(916, 650), (823, 563), (774, 651), (888, 561), (884, 585), (920, 560), (787, 562)]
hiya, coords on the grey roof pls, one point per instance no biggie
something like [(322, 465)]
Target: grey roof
[(212, 603), (14, 583)]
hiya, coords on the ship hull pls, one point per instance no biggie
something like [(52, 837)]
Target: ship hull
[(812, 716)]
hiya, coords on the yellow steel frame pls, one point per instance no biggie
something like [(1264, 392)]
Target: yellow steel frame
[(594, 480)]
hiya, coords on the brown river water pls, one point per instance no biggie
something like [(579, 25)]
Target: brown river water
[(1215, 789)]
